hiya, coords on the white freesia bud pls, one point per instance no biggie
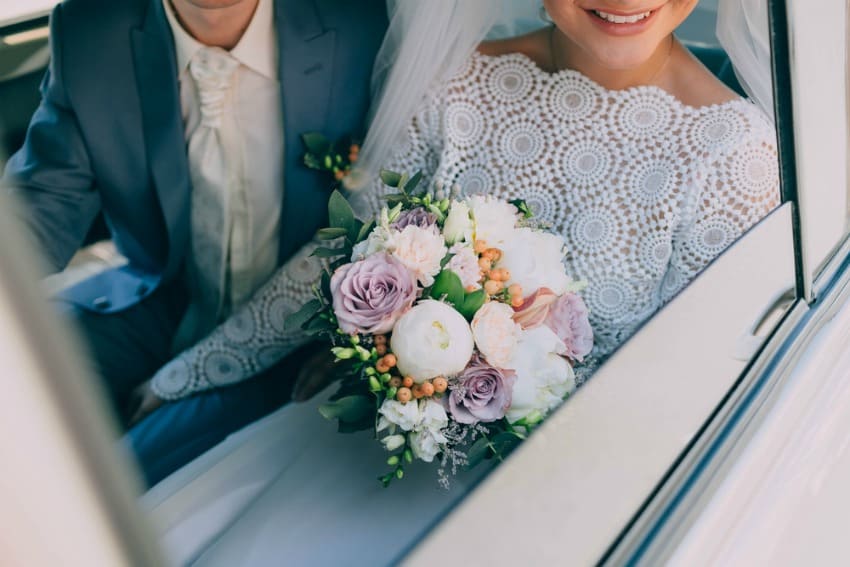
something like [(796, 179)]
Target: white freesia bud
[(431, 340), (496, 333), (458, 225), (393, 442)]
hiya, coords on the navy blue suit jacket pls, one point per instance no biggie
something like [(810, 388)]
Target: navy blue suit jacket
[(108, 135)]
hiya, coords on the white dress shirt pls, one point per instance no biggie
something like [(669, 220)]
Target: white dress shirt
[(257, 108)]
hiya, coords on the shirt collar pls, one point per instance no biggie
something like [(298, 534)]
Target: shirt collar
[(256, 50)]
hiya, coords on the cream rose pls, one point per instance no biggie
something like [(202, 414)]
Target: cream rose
[(496, 333), (431, 340), (421, 250), (535, 260)]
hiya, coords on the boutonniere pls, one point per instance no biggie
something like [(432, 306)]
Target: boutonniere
[(336, 158)]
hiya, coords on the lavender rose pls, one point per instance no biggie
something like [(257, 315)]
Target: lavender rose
[(370, 295), (417, 217), (483, 393), (568, 318)]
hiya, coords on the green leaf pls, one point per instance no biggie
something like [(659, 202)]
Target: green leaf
[(303, 315), (332, 233), (341, 215), (476, 454), (364, 231), (413, 183), (447, 284), (504, 443), (472, 302), (523, 208), (316, 143), (362, 425), (326, 252), (395, 198), (390, 178), (325, 287), (350, 409)]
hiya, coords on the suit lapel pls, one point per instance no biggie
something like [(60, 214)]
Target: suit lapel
[(156, 74), (306, 75)]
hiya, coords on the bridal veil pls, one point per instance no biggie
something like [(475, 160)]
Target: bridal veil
[(428, 40)]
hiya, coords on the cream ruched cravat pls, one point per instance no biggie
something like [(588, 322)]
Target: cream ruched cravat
[(220, 218)]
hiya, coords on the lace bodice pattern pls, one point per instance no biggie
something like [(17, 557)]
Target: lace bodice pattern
[(645, 190)]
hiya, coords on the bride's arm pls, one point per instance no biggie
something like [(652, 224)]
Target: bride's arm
[(730, 192), (254, 338)]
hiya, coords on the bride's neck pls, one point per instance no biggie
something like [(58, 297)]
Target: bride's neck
[(568, 55)]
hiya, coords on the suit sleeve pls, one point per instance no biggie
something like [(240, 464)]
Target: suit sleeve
[(254, 338), (51, 176)]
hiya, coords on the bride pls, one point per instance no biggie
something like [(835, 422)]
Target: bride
[(612, 132)]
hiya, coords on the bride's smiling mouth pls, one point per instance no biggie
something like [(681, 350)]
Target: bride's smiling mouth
[(620, 23)]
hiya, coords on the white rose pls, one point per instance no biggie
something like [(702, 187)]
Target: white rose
[(379, 240), (393, 413), (535, 259), (421, 250), (458, 225), (465, 264), (494, 219), (431, 340), (496, 333), (543, 377), (393, 442)]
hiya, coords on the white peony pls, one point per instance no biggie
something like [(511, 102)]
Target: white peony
[(494, 219), (431, 340), (379, 240), (544, 378), (496, 333), (535, 259), (393, 413), (432, 415), (465, 264), (458, 226), (421, 250)]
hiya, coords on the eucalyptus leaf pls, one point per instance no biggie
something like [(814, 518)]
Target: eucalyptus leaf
[(303, 315), (505, 442), (312, 161), (332, 233), (327, 252), (413, 183), (316, 143), (390, 178), (350, 409), (341, 215), (448, 285), (365, 230), (476, 454)]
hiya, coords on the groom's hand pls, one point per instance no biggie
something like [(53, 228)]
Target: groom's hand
[(315, 374), (143, 402)]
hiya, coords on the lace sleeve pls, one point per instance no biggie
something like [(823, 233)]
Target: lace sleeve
[(254, 338), (730, 192)]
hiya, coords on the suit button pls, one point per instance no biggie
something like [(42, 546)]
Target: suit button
[(102, 303), (142, 290)]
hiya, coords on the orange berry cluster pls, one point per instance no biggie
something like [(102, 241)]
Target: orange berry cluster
[(353, 156), (408, 390), (495, 279)]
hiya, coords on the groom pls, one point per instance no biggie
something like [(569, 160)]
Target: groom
[(180, 121)]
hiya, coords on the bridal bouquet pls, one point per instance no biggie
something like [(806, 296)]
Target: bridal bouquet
[(454, 321)]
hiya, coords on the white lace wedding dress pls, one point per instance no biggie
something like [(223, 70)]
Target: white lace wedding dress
[(646, 191)]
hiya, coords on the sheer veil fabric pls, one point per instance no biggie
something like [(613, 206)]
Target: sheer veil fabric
[(427, 41)]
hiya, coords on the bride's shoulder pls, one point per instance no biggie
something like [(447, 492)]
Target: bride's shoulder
[(694, 85), (533, 45)]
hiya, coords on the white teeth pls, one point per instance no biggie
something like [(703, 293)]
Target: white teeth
[(615, 19)]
